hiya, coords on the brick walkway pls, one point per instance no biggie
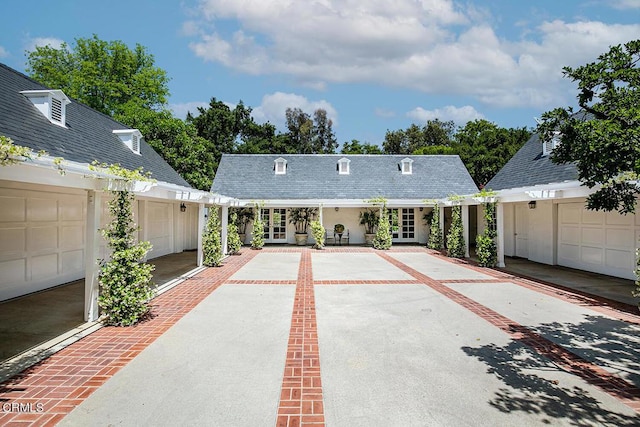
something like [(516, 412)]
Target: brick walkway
[(46, 392)]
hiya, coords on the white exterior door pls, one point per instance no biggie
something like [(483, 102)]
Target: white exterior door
[(602, 242), (160, 228), (275, 225), (521, 230), (403, 226)]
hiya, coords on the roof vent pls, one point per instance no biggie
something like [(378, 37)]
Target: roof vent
[(131, 138), (343, 166), (51, 103), (548, 146), (280, 166), (406, 167)]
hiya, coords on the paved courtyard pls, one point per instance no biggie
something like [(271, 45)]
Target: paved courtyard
[(346, 337)]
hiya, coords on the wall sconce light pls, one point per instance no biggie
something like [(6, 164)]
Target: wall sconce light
[(421, 208), (532, 204), (337, 209), (183, 207)]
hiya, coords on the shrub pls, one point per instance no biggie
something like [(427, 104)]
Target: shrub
[(257, 235), (435, 234), (455, 238), (212, 240), (233, 238), (317, 231), (383, 239), (125, 282)]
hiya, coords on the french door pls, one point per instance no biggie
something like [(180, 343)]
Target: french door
[(403, 228), (275, 225)]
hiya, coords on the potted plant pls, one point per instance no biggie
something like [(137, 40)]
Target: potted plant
[(369, 219), (300, 218), (244, 217)]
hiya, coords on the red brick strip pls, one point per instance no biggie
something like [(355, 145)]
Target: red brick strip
[(365, 282), (301, 402), (43, 394), (260, 282), (619, 388)]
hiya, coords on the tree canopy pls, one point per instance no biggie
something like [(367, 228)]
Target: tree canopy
[(603, 138), (104, 75)]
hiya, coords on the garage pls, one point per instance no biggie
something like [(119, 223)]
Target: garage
[(601, 242), (159, 228)]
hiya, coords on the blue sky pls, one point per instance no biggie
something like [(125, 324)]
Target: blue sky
[(372, 64)]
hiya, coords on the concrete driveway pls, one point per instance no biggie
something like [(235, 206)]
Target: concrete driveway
[(357, 337)]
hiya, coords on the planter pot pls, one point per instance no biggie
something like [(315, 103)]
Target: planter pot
[(301, 239), (368, 239)]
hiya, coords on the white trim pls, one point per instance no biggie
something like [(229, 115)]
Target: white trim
[(280, 166), (343, 166), (409, 167)]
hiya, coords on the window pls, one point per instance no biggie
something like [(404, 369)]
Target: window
[(51, 103), (280, 166), (406, 167), (343, 166), (131, 138), (548, 146)]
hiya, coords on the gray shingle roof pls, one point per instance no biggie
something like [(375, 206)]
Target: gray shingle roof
[(252, 177), (88, 136), (528, 168)]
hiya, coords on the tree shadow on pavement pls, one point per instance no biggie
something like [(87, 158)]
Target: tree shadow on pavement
[(533, 384)]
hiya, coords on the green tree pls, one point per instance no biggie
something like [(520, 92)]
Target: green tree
[(355, 147), (415, 138), (603, 139), (104, 75), (485, 148), (309, 136)]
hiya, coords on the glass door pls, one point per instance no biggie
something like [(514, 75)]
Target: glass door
[(275, 225), (403, 228)]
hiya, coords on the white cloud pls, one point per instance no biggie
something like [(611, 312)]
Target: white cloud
[(273, 107), (460, 115), (384, 113), (432, 46), (180, 110), (626, 4), (3, 52), (34, 42)]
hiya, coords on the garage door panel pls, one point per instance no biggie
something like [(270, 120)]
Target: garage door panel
[(72, 210), (614, 218), (592, 236), (570, 214), (619, 238), (592, 217), (72, 237), (12, 272), (13, 241), (160, 228), (569, 252), (570, 235), (44, 265), (592, 255), (42, 209), (618, 259), (43, 238), (72, 261), (13, 209)]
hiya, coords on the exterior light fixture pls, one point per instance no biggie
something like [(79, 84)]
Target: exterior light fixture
[(183, 207), (532, 204), (337, 209)]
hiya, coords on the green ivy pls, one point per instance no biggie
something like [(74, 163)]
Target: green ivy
[(257, 235), (233, 238), (383, 239), (486, 247), (317, 231), (125, 282), (211, 240), (435, 234), (455, 238)]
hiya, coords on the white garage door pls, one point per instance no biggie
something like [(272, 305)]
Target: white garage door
[(160, 228), (41, 240), (602, 242)]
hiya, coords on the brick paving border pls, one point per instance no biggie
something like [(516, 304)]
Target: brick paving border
[(593, 374), (301, 402), (62, 381)]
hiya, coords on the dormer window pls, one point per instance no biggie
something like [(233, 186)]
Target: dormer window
[(131, 138), (51, 103), (280, 166), (548, 146), (406, 167), (343, 166)]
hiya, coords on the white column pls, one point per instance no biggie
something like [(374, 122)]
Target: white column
[(201, 222), (143, 223), (92, 249), (500, 231), (225, 225), (444, 232), (320, 214), (465, 229)]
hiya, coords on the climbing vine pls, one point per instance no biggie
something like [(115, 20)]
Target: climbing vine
[(383, 239), (435, 233), (455, 238), (486, 247), (317, 231), (233, 238), (257, 235), (212, 240)]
